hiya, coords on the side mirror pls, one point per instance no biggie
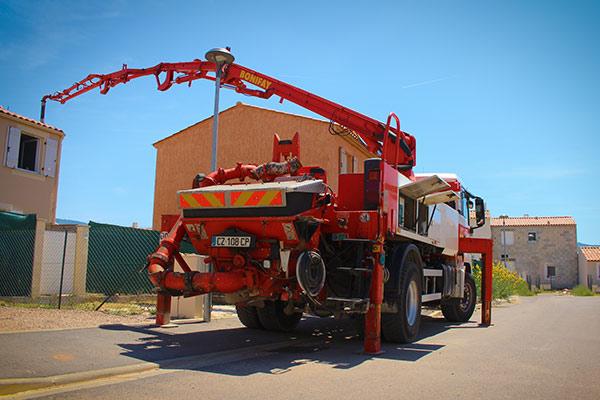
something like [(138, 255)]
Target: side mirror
[(479, 212)]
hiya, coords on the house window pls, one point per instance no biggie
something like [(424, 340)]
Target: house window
[(24, 151), (507, 237), (550, 272), (343, 161), (28, 152), (348, 163), (532, 236), (598, 270)]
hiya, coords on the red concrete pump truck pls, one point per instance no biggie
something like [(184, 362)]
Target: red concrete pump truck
[(387, 242)]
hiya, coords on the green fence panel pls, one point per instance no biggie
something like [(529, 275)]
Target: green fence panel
[(116, 254), (187, 248), (17, 242)]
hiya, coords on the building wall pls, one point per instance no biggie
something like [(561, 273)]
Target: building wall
[(555, 246), (582, 268), (588, 269), (245, 135), (26, 191)]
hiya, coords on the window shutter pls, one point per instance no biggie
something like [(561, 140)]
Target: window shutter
[(12, 147), (50, 157), (354, 164), (343, 161), (507, 238)]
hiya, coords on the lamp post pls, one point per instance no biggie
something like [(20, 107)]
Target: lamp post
[(220, 56), (505, 256)]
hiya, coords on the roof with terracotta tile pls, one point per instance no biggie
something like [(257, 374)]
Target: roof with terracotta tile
[(30, 120), (532, 221), (352, 136), (591, 253)]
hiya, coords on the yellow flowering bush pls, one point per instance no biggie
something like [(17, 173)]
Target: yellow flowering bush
[(505, 283)]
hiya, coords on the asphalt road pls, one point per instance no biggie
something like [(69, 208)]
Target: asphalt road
[(546, 347), (48, 353)]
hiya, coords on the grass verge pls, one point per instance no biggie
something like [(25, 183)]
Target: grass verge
[(581, 290)]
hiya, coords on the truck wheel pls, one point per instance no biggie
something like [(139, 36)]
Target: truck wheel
[(248, 316), (403, 326), (273, 318), (461, 310)]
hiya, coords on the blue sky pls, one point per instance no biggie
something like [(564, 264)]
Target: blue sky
[(506, 94)]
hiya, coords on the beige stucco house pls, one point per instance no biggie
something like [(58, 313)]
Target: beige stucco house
[(589, 267), (246, 136), (30, 165), (543, 250)]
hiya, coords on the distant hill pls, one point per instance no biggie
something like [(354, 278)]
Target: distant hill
[(62, 221), (585, 244)]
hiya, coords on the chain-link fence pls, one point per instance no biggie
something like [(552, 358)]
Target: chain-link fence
[(116, 259), (17, 243), (86, 267), (75, 266)]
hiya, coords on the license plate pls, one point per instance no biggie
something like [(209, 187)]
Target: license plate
[(231, 241)]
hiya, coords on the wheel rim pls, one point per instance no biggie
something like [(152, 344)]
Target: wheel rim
[(412, 303), (465, 302)]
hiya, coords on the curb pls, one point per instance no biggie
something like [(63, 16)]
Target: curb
[(144, 324), (12, 386)]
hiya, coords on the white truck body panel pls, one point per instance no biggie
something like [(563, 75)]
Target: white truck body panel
[(444, 228), (433, 191)]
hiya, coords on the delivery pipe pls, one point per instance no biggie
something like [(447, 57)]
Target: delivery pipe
[(265, 172), (191, 282)]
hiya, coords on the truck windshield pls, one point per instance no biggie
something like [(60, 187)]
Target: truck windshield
[(464, 205)]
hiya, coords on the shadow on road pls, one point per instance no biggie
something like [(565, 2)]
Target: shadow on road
[(317, 340)]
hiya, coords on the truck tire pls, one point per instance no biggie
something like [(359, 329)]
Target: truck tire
[(273, 318), (461, 310), (248, 316), (403, 325)]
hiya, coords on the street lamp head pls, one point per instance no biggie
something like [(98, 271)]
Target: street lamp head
[(220, 56)]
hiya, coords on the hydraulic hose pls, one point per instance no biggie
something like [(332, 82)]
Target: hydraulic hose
[(265, 172)]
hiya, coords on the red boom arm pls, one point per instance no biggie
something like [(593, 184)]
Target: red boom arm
[(235, 77)]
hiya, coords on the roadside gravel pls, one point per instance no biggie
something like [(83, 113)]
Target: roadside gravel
[(25, 319), (19, 318)]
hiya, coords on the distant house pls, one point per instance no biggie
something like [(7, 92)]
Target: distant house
[(543, 250), (589, 267), (246, 136), (30, 165)]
